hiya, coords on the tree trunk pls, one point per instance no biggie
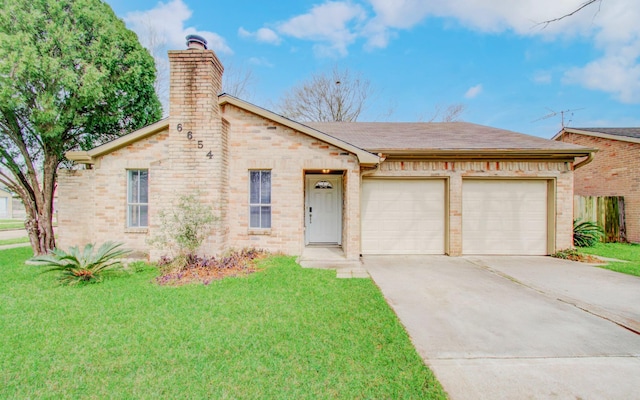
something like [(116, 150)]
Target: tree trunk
[(39, 208), (40, 230)]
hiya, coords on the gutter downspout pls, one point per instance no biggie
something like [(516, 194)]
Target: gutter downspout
[(584, 162), (376, 168)]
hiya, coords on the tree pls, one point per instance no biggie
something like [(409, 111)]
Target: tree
[(338, 96), (237, 81), (451, 113), (71, 77), (581, 7)]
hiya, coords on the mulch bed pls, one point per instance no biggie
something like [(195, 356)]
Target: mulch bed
[(195, 269), (575, 255)]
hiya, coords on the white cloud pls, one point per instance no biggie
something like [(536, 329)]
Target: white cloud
[(473, 91), (165, 24), (332, 25), (263, 35), (261, 62), (162, 28), (611, 25), (542, 77), (615, 74)]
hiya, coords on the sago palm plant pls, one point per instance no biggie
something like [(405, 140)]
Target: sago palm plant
[(82, 266), (586, 233)]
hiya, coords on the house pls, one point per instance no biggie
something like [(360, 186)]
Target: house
[(362, 188), (614, 171), (6, 204)]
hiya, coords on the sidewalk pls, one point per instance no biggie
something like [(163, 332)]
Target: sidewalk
[(13, 246), (13, 234)]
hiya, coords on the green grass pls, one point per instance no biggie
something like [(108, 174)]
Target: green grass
[(285, 332), (14, 241), (620, 251), (8, 224)]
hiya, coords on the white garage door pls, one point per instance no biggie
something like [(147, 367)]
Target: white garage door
[(403, 216), (504, 217)]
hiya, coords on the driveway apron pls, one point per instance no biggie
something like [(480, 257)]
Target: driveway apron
[(488, 332)]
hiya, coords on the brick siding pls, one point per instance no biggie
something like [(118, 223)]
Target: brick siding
[(614, 171), (92, 202)]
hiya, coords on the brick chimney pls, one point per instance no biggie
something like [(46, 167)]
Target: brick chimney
[(197, 144)]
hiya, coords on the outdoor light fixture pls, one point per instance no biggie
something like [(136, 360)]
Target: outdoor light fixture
[(326, 171)]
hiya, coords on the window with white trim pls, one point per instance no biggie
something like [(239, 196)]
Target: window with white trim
[(260, 199), (137, 198)]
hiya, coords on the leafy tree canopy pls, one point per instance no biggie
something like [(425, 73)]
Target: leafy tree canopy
[(72, 76)]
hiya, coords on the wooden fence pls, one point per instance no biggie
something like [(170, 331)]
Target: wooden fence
[(606, 211)]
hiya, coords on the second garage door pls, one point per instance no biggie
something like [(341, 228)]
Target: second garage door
[(402, 216), (504, 217)]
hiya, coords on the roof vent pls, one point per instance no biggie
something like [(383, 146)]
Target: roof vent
[(196, 42)]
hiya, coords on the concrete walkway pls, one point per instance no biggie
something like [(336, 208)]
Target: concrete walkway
[(503, 328), (13, 234)]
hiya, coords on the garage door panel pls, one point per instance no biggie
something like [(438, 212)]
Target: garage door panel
[(403, 216), (504, 217)]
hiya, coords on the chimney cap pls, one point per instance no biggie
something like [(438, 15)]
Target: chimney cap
[(196, 42)]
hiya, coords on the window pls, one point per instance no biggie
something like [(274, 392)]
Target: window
[(138, 198), (260, 199), (324, 185)]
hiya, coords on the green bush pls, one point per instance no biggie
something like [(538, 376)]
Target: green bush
[(586, 233), (184, 226), (568, 254), (82, 266)]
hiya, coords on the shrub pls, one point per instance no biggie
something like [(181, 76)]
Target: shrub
[(82, 266), (586, 233), (575, 255), (184, 227), (568, 254)]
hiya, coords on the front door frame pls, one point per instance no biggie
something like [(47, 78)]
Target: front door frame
[(310, 181)]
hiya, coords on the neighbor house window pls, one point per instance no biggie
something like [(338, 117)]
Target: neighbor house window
[(260, 199), (138, 198)]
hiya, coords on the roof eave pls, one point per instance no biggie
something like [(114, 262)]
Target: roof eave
[(487, 153), (88, 157), (602, 135)]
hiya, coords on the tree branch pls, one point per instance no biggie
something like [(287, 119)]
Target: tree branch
[(580, 8)]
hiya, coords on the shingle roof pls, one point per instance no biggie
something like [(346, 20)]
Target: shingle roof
[(417, 136), (628, 132)]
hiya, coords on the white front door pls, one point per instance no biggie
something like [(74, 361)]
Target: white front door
[(323, 209)]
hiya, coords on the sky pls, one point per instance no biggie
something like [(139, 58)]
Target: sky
[(493, 56)]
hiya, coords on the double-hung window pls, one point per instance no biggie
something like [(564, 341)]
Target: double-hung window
[(138, 198), (260, 199)]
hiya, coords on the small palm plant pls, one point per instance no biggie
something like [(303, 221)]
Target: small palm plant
[(82, 266), (586, 233)]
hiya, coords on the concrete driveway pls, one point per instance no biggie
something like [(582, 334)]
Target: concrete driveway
[(518, 327)]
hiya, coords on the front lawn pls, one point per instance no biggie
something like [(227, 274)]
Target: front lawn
[(5, 242), (620, 251), (9, 224), (285, 332)]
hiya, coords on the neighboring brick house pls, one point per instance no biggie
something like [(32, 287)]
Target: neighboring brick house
[(281, 185), (614, 171)]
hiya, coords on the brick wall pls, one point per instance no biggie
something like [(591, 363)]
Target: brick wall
[(92, 203), (257, 143), (197, 141), (614, 171)]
